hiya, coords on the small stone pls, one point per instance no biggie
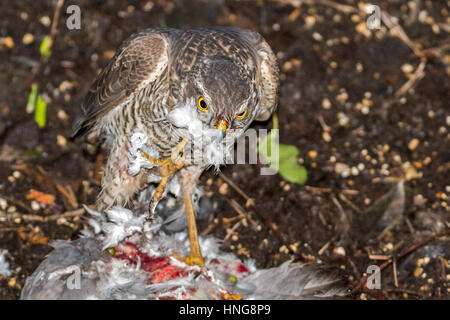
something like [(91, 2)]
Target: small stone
[(45, 21), (412, 145), (65, 85), (8, 42), (11, 209), (310, 20), (234, 237), (417, 272), (62, 115), (342, 169), (61, 140), (223, 189), (419, 200), (312, 154), (326, 104), (317, 36), (343, 119), (407, 68), (287, 188), (17, 174), (3, 204), (339, 251), (359, 67), (35, 205), (326, 136), (12, 282), (27, 38)]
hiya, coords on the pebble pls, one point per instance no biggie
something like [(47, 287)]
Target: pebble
[(388, 247), (339, 251), (17, 174), (223, 189), (412, 145), (3, 204), (407, 68), (27, 38), (310, 20), (8, 42), (342, 169), (447, 120), (417, 272), (343, 119), (419, 200), (35, 205), (61, 140), (326, 136), (45, 20), (312, 154), (62, 115), (11, 209), (359, 67), (317, 36), (12, 282), (326, 104)]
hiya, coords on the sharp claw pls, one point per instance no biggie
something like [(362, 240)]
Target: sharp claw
[(167, 168)]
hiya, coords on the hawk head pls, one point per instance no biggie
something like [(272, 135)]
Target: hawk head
[(225, 96)]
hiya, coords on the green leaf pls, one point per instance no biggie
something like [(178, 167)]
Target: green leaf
[(46, 47), (288, 166), (40, 114), (31, 104)]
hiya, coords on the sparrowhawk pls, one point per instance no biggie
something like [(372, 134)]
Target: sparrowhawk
[(224, 77)]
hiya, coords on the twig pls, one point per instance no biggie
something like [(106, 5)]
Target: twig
[(331, 190), (238, 190), (399, 290), (415, 78), (33, 217), (394, 269), (250, 202), (237, 207), (230, 231), (362, 283)]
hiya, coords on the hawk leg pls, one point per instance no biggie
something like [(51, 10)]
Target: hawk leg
[(167, 168), (195, 256)]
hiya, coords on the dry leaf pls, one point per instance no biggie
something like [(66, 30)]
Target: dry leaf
[(44, 198)]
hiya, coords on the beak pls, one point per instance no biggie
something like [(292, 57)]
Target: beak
[(222, 125)]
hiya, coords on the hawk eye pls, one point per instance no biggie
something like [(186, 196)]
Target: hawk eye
[(242, 114), (202, 105)]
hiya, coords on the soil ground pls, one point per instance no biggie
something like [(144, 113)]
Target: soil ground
[(369, 113)]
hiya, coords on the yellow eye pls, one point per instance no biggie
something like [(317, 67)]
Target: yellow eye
[(202, 105), (242, 114)]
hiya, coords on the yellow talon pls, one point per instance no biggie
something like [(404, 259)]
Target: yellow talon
[(167, 168), (231, 296)]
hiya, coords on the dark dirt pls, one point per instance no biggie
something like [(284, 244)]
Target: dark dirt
[(358, 139)]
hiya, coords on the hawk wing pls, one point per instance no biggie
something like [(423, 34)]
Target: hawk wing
[(139, 61), (270, 77)]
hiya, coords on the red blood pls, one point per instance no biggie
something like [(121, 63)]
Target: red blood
[(126, 251), (159, 269), (242, 269)]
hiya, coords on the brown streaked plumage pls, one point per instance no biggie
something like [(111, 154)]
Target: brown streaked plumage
[(156, 70)]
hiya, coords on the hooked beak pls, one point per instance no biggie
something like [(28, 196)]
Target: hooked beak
[(222, 125)]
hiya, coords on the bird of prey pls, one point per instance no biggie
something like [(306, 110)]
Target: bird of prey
[(227, 77)]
